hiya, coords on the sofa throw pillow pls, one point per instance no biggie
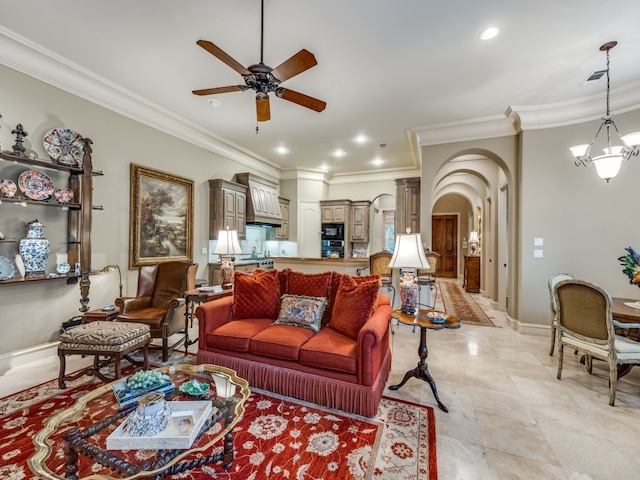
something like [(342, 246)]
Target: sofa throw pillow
[(255, 296), (301, 311), (353, 305), (309, 284)]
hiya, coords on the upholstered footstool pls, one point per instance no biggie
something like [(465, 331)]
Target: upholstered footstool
[(114, 340)]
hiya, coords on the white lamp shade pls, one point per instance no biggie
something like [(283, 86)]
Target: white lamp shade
[(408, 252), (473, 237), (227, 243), (579, 150), (608, 166), (632, 140)]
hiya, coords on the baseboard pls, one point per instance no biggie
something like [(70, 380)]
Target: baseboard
[(528, 328), (32, 354)]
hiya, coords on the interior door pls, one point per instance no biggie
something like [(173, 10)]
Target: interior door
[(309, 230), (444, 241)]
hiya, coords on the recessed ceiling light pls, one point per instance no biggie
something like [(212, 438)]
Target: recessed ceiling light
[(377, 161), (339, 153), (282, 149), (324, 168), (214, 103), (490, 33), (360, 139)]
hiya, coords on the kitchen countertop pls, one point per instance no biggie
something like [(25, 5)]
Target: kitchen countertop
[(322, 260)]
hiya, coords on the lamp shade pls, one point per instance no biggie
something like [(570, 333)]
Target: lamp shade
[(227, 243), (408, 252), (473, 237)]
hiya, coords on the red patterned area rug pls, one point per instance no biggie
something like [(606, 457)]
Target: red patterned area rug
[(278, 438), (461, 304)]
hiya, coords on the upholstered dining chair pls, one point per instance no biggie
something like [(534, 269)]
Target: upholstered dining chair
[(585, 322), (553, 281), (427, 277), (159, 301), (379, 263)]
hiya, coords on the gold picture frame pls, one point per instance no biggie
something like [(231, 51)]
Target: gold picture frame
[(161, 224)]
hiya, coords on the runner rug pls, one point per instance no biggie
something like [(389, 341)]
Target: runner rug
[(461, 304), (278, 438)]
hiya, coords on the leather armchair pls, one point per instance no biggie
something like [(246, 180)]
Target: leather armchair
[(159, 301)]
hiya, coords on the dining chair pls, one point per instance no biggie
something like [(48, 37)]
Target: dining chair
[(585, 322), (427, 277), (553, 281)]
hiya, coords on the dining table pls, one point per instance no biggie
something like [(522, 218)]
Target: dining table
[(624, 312)]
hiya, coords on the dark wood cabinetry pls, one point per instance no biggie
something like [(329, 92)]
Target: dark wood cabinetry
[(78, 212), (227, 207), (471, 281), (408, 204)]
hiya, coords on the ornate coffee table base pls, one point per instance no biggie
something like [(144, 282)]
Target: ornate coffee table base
[(422, 370)]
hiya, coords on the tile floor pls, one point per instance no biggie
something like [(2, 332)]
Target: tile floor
[(509, 417)]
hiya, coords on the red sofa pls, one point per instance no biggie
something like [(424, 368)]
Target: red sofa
[(344, 365)]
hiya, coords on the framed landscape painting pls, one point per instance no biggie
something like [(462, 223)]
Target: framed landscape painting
[(161, 224)]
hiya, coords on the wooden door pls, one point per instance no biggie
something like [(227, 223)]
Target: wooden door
[(444, 241)]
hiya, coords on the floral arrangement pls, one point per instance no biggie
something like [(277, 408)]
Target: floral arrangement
[(631, 264)]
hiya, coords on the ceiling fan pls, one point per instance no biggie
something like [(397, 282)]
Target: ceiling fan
[(264, 79)]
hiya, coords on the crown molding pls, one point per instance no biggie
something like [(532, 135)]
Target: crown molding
[(377, 176), (24, 56), (530, 117)]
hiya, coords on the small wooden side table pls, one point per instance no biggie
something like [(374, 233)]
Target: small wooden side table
[(422, 370), (193, 298), (99, 315)]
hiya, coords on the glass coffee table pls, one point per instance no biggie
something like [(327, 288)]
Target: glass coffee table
[(73, 443)]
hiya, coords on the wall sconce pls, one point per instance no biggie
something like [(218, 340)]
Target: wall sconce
[(408, 256), (111, 268)]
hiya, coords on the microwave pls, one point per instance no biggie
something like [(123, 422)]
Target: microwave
[(332, 231)]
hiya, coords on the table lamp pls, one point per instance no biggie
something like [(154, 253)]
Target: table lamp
[(408, 256), (227, 245), (473, 238)]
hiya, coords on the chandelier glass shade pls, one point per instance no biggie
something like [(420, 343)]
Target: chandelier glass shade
[(608, 164)]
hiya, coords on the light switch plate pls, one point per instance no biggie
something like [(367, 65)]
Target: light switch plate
[(537, 253), (538, 242), (204, 250)]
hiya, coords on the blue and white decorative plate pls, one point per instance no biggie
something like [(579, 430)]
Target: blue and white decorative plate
[(7, 268), (63, 268), (65, 146), (35, 185)]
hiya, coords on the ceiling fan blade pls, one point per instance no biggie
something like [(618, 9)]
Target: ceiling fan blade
[(212, 91), (301, 99), (222, 56), (263, 110), (301, 61)]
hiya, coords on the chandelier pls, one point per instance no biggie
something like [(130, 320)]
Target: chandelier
[(608, 164)]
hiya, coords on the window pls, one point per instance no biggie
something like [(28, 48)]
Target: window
[(389, 229)]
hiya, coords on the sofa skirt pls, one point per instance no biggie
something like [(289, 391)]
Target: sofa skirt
[(330, 392)]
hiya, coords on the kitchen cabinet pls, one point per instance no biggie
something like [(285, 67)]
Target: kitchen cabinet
[(336, 211), (360, 211), (282, 232), (215, 274), (78, 211), (408, 204), (227, 207), (471, 279)]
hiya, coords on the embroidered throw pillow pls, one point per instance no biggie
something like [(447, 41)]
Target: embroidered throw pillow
[(353, 305), (255, 296), (301, 311)]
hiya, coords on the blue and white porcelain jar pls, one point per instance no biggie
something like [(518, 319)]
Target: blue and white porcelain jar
[(34, 250)]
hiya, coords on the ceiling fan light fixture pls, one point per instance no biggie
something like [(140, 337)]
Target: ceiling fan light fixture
[(214, 103)]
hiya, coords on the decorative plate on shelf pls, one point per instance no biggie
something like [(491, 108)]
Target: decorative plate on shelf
[(63, 195), (7, 268), (7, 188), (65, 146), (35, 185)]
